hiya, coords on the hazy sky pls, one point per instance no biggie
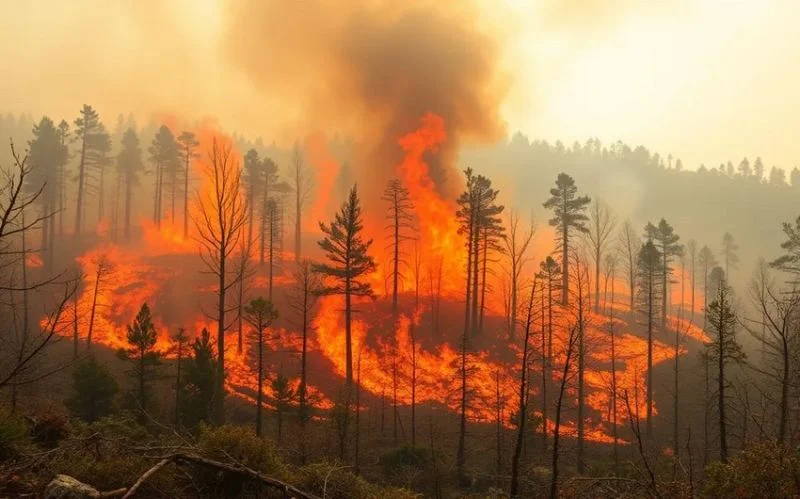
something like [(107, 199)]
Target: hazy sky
[(707, 80)]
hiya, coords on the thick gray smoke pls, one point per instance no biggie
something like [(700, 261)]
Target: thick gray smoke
[(373, 71)]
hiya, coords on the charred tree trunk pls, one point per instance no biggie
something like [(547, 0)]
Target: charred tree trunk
[(523, 403), (81, 183), (557, 430), (260, 397)]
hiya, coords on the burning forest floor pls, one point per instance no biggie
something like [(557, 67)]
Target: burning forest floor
[(173, 285)]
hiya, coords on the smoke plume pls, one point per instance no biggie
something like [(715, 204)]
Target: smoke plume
[(373, 71)]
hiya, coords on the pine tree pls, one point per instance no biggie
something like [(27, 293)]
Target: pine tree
[(87, 127), (729, 249), (179, 348), (130, 167), (348, 261), (568, 215), (260, 314), (163, 153), (650, 277), (142, 355), (101, 160), (61, 173), (199, 382), (47, 155), (722, 350), (284, 395), (268, 180), (93, 391), (790, 261), (666, 240), (188, 146), (251, 176), (550, 273)]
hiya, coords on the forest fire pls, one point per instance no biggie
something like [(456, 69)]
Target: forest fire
[(391, 350)]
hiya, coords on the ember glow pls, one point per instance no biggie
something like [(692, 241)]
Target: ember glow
[(118, 278)]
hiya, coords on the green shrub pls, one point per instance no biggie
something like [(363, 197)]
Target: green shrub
[(93, 392), (242, 445), (13, 435), (762, 470), (335, 482), (404, 457)]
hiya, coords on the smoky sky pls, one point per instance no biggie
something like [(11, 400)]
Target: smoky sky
[(374, 70)]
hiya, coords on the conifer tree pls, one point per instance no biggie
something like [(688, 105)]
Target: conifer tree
[(650, 277), (568, 216), (723, 349), (260, 314), (142, 355), (348, 261)]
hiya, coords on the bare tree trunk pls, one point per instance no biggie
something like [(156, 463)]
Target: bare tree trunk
[(128, 199), (498, 428), (186, 195), (260, 399), (358, 414), (394, 396), (557, 430), (650, 312), (81, 182), (75, 336), (523, 402), (612, 334), (462, 428), (723, 437)]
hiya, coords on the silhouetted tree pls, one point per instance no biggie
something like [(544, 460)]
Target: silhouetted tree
[(101, 160), (629, 246), (102, 268), (523, 398), (516, 247), (302, 300), (692, 249), (580, 313), (401, 221), (550, 273), (302, 183), (568, 214), (346, 252), (571, 344), (260, 314), (163, 152), (93, 391), (220, 220), (47, 156), (179, 342), (723, 349), (663, 235), (142, 355), (601, 225), (707, 262), (61, 174), (650, 277), (129, 165), (729, 249), (199, 387), (776, 329), (187, 144), (252, 173), (268, 235), (479, 219), (790, 260), (284, 395), (87, 129)]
